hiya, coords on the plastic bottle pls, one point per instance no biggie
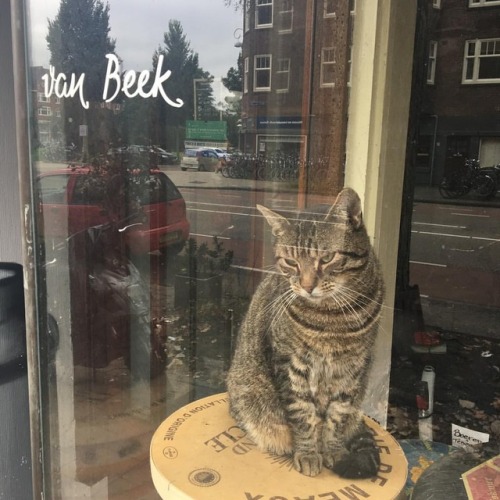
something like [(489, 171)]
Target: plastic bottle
[(428, 376)]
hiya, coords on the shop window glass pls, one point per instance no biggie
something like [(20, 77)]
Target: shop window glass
[(146, 177)]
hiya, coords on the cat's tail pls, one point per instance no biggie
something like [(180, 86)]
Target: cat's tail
[(362, 459)]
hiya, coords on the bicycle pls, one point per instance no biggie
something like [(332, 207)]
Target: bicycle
[(484, 181)]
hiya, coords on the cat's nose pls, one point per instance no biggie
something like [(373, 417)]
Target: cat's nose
[(308, 287)]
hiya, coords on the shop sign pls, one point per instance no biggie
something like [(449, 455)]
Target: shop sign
[(279, 122), (132, 84), (206, 130)]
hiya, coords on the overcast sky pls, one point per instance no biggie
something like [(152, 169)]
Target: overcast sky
[(138, 27)]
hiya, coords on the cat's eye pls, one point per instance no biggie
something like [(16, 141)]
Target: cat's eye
[(327, 258), (290, 262)]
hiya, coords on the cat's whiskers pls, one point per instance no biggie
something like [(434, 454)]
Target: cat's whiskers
[(286, 299), (353, 298), (345, 299)]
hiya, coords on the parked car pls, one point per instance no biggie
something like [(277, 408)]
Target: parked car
[(204, 159), (150, 155), (221, 153), (189, 159), (164, 157), (73, 200)]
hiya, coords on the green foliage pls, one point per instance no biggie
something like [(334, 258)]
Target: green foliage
[(78, 41), (234, 79), (183, 62)]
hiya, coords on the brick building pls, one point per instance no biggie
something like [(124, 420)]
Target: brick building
[(46, 109), (295, 84), (461, 99)]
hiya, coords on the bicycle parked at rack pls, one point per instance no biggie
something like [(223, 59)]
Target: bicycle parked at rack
[(459, 182)]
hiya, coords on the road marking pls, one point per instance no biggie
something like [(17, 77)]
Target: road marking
[(427, 263), (470, 215), (444, 234), (480, 238), (438, 225)]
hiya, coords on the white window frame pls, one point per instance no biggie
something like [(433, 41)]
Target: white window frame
[(436, 4), (246, 19), (483, 3), (45, 111), (431, 62), (326, 62), (281, 71), (42, 97), (246, 66), (474, 57), (260, 5), (257, 69), (326, 11), (285, 12)]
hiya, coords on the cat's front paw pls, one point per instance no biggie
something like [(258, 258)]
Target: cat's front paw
[(309, 464), (330, 458)]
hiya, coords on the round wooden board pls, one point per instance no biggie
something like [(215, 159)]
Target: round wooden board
[(200, 453)]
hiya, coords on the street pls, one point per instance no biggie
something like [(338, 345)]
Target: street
[(455, 249)]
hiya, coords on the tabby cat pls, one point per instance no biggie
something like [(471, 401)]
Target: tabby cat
[(300, 367)]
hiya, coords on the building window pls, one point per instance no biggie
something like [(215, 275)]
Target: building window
[(246, 20), (482, 61), (283, 75), (45, 111), (285, 16), (329, 8), (436, 4), (42, 97), (262, 73), (483, 3), (245, 76), (431, 64), (264, 13), (327, 67)]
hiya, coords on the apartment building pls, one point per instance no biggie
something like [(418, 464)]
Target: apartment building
[(460, 112), (295, 84)]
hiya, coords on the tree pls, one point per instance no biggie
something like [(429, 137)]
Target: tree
[(234, 78), (78, 40), (183, 62)]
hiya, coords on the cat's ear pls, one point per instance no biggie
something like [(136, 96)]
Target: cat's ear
[(348, 206), (277, 222)]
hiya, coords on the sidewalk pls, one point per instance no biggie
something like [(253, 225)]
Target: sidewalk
[(211, 180)]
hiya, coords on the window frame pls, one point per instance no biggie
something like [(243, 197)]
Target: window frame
[(282, 15), (324, 63), (279, 71), (326, 12), (436, 4), (475, 60), (260, 5), (44, 111), (257, 69), (246, 65), (432, 61), (247, 16), (473, 4)]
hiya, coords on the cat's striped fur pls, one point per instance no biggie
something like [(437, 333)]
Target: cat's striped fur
[(299, 372)]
